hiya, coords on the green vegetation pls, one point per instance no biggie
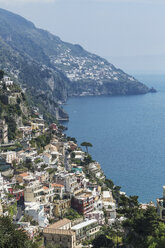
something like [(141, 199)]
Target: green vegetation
[(128, 205), (144, 230), (38, 160), (12, 127), (41, 141), (28, 164), (108, 237), (72, 214), (27, 218), (52, 246), (71, 139), (17, 146), (109, 183), (10, 112), (1, 74), (12, 210), (86, 144), (40, 102), (11, 237)]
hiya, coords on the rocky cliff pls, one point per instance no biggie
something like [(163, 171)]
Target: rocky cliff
[(45, 65)]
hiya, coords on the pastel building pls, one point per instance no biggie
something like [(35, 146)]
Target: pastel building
[(60, 233), (86, 230)]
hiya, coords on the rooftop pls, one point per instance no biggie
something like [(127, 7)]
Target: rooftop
[(24, 174), (84, 224), (58, 231), (57, 185), (59, 224), (84, 195)]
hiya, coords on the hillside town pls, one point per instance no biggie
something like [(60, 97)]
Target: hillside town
[(87, 67), (52, 189), (46, 178)]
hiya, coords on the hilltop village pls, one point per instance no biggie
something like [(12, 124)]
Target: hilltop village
[(53, 190)]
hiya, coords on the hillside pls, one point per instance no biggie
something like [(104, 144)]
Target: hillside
[(46, 65), (14, 111)]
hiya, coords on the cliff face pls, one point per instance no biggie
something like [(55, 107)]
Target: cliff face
[(46, 65), (13, 107)]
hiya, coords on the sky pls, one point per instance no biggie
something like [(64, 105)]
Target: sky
[(129, 33)]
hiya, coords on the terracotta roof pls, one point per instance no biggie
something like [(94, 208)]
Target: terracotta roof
[(57, 185), (59, 224), (44, 187), (58, 231), (25, 174)]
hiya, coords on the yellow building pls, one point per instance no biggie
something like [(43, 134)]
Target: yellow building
[(60, 233)]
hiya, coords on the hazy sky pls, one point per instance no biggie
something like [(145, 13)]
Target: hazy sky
[(129, 33)]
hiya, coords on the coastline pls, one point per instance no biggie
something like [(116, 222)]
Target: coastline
[(84, 116)]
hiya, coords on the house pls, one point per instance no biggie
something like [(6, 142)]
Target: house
[(47, 158), (10, 156), (86, 230), (68, 180), (98, 215), (59, 189), (33, 192), (26, 132), (53, 126), (83, 202), (107, 196), (50, 148), (109, 204), (16, 193), (53, 152), (71, 183), (36, 192), (21, 177), (42, 176), (72, 145), (36, 211), (29, 154), (60, 233)]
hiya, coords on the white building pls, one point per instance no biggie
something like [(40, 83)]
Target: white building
[(10, 156), (36, 211), (85, 230)]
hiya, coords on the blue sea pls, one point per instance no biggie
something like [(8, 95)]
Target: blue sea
[(128, 136)]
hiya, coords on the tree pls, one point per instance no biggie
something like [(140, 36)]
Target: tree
[(11, 237), (86, 144), (109, 183), (1, 74), (143, 229), (102, 241), (88, 160)]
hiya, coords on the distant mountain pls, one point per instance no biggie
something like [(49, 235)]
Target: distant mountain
[(48, 66)]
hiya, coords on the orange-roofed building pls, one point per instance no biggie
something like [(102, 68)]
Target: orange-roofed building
[(45, 188), (20, 178), (59, 189)]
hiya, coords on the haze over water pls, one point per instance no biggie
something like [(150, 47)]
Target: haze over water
[(128, 137)]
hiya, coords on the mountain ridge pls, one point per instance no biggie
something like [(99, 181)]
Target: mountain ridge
[(44, 63)]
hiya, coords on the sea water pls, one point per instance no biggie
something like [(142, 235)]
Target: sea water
[(128, 136)]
